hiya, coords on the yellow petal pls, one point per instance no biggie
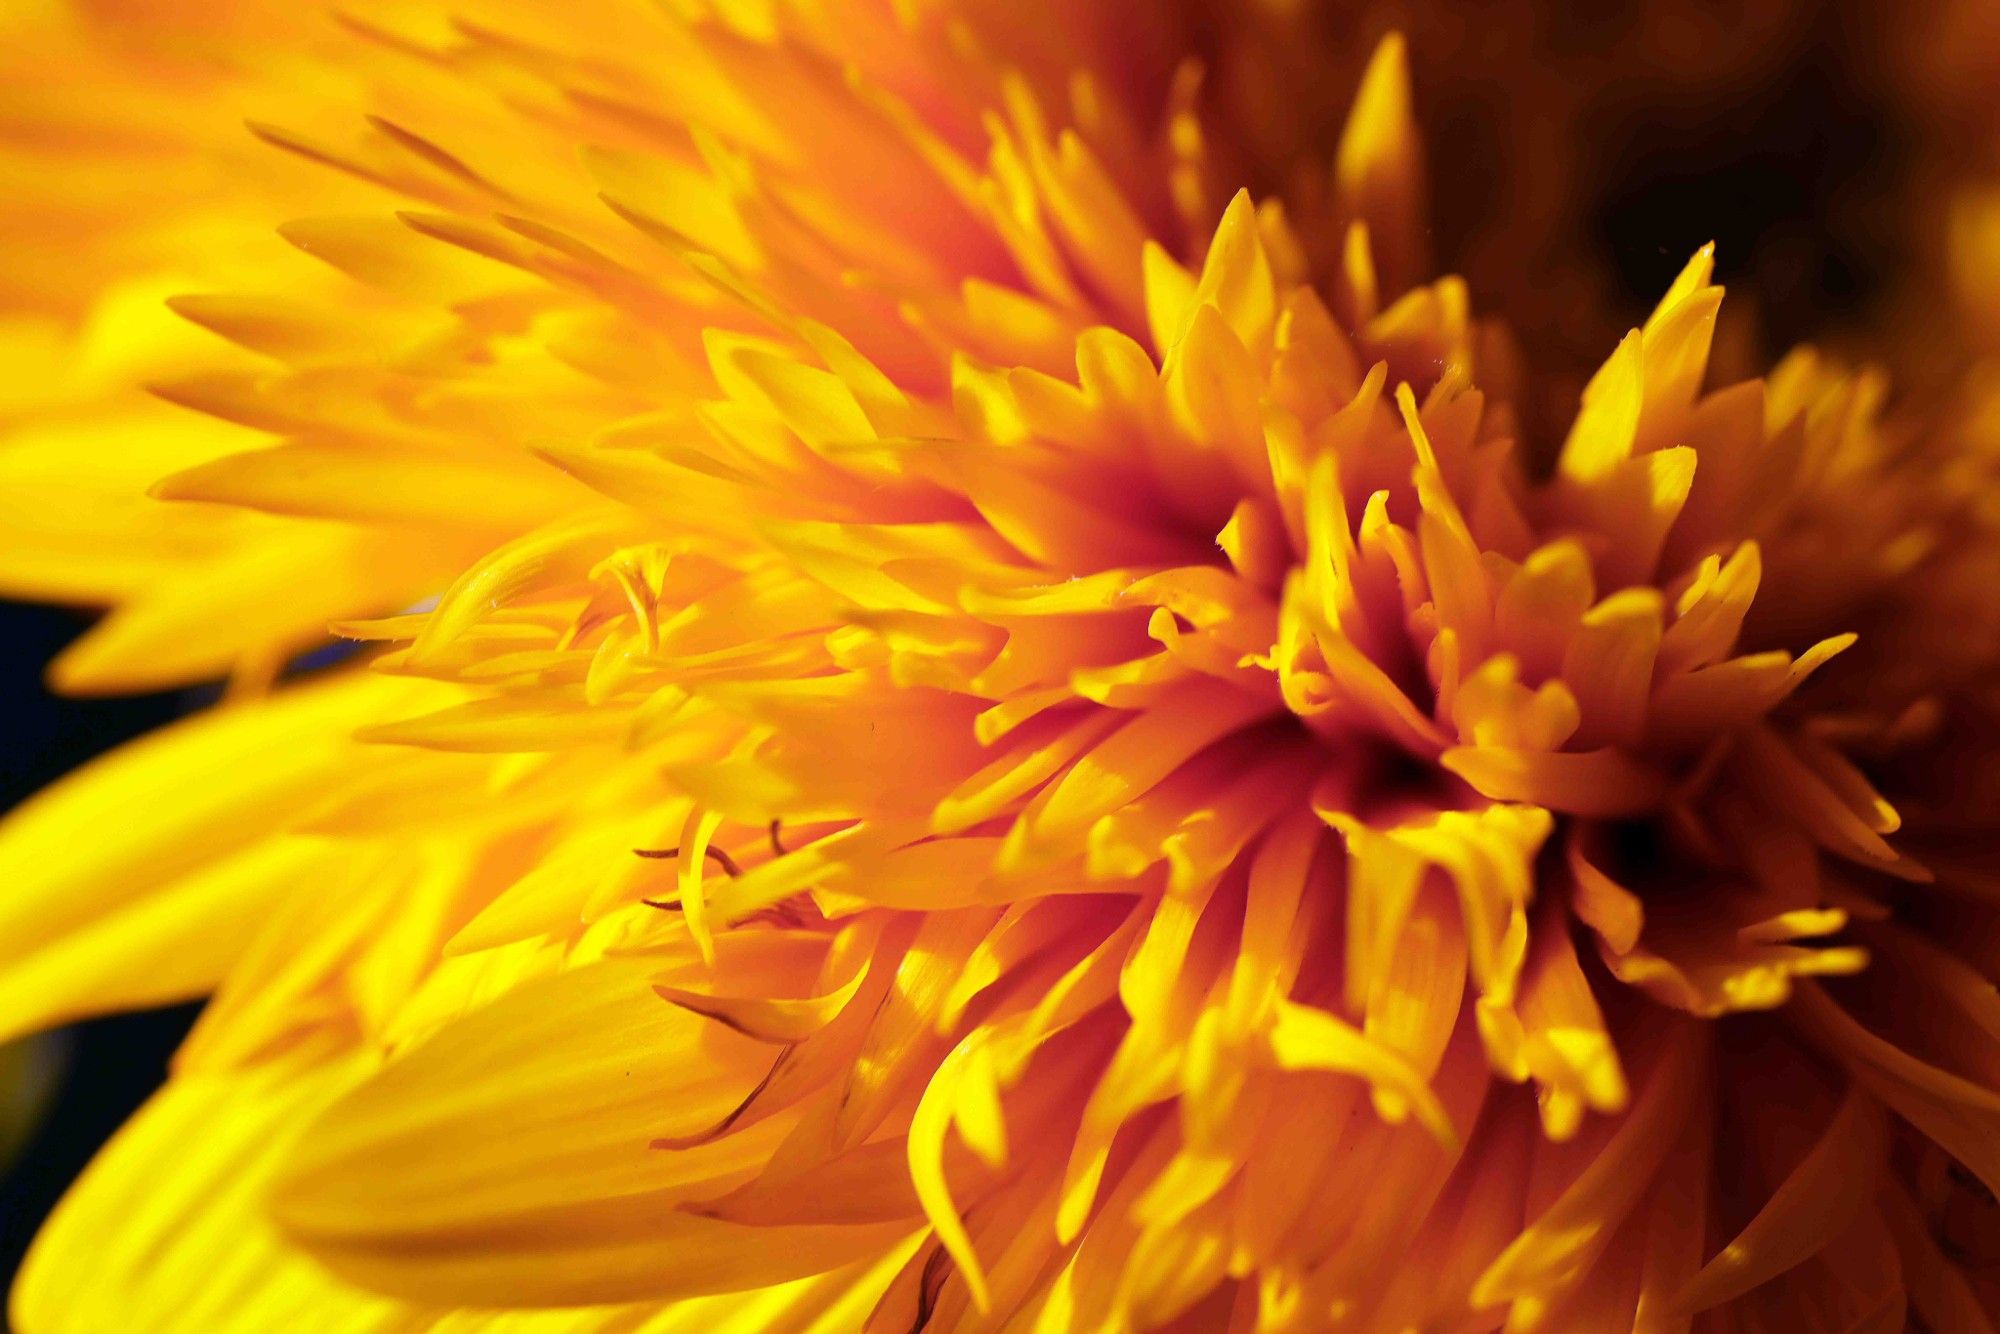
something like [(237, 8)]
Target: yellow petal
[(1580, 1221), (169, 1220), (267, 598), (1169, 298), (1710, 615), (1129, 763), (128, 881), (1236, 276), (1610, 667), (1304, 1038), (968, 1068), (1379, 170), (506, 1160), (492, 493), (769, 1019), (1602, 436)]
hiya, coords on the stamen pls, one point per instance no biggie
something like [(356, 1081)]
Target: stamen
[(727, 862)]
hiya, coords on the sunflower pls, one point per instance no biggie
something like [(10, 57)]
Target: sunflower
[(957, 723)]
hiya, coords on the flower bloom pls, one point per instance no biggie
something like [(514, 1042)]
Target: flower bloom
[(1000, 734)]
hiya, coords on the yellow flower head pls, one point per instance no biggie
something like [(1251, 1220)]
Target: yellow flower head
[(967, 726)]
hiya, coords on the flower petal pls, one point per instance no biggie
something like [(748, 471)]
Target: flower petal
[(506, 1160), (124, 880), (1819, 1198), (168, 1221)]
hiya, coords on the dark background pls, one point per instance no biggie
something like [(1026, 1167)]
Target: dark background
[(1774, 178), (111, 1064)]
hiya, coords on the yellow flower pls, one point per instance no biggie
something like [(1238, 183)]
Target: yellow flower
[(1008, 736)]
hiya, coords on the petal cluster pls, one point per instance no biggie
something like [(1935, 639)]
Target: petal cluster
[(957, 723)]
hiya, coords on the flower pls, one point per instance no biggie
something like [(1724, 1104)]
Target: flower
[(1008, 735)]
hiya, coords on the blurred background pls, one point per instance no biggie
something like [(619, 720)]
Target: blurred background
[(1579, 155)]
